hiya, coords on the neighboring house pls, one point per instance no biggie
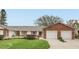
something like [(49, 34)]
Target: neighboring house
[(49, 32)]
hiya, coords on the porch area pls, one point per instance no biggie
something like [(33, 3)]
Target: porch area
[(22, 34)]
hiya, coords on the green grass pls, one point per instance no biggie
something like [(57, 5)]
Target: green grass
[(23, 44)]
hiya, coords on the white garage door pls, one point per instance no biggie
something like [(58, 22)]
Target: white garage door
[(51, 34), (66, 34)]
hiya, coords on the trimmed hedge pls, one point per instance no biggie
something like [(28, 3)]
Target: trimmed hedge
[(77, 36), (1, 37), (30, 37)]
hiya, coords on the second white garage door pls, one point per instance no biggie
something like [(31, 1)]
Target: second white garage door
[(51, 34), (66, 34)]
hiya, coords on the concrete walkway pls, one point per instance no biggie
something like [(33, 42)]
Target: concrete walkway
[(69, 44)]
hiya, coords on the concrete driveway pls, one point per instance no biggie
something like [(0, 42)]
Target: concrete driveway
[(69, 44)]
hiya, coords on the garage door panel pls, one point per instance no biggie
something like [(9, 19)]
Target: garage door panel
[(66, 34), (51, 34)]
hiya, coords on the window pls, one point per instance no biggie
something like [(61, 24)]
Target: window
[(17, 33), (24, 33), (40, 33), (33, 32)]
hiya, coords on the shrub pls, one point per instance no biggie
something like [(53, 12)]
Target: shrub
[(77, 36), (1, 37), (61, 39), (30, 37)]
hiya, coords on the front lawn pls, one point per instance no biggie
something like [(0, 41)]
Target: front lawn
[(23, 44)]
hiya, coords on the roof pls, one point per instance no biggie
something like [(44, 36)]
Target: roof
[(25, 28), (59, 23), (30, 28), (3, 26)]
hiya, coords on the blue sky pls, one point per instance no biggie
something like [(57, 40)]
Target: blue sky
[(27, 17)]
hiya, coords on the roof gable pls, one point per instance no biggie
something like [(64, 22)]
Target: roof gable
[(60, 26)]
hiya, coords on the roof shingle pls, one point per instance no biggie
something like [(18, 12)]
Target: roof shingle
[(25, 28)]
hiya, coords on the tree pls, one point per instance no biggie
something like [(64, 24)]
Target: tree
[(70, 22), (3, 17), (47, 20), (74, 23)]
